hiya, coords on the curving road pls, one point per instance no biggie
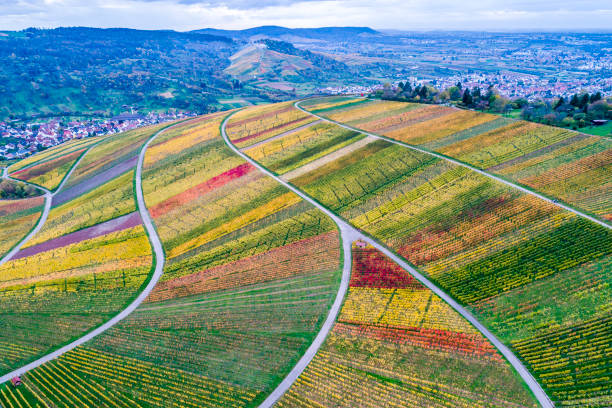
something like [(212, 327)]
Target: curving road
[(48, 203), (74, 166), (462, 164), (41, 221), (159, 266), (349, 234)]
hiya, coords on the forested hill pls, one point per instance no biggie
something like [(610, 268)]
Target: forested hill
[(322, 33), (87, 69), (79, 70)]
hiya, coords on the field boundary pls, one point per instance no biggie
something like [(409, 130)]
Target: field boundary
[(462, 164), (48, 203), (158, 261), (39, 224), (355, 234)]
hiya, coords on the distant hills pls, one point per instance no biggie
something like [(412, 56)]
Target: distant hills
[(279, 65), (80, 70), (283, 33), (83, 70), (90, 71)]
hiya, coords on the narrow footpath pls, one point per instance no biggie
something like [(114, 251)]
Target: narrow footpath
[(349, 234), (41, 220), (462, 164), (48, 203), (159, 260)]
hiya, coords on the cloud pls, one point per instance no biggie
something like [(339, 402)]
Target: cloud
[(240, 4), (236, 14)]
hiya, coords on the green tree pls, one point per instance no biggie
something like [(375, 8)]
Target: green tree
[(584, 101), (454, 93), (574, 101), (476, 93), (423, 92), (595, 97), (467, 98), (560, 102)]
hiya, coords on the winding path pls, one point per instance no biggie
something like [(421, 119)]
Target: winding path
[(41, 220), (462, 164), (48, 203), (349, 234), (159, 267)]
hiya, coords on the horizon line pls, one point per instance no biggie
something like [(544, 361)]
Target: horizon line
[(590, 30)]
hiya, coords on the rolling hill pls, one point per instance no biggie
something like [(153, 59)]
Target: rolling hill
[(291, 34), (322, 253), (103, 72), (279, 65)]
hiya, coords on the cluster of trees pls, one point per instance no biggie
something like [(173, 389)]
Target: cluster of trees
[(10, 190), (485, 100), (575, 112), (323, 68), (578, 111)]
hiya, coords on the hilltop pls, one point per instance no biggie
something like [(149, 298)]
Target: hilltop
[(292, 34), (109, 71)]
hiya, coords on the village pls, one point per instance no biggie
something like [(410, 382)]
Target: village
[(508, 84), (19, 139)]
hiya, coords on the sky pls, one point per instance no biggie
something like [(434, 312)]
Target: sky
[(183, 15)]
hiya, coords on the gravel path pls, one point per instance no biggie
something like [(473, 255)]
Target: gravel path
[(328, 158), (459, 163), (48, 202), (349, 234), (159, 266), (41, 221)]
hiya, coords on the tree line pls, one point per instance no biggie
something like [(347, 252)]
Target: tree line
[(578, 111)]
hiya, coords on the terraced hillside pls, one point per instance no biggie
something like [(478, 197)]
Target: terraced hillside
[(234, 230), (396, 343), (87, 261), (49, 167), (528, 269), (17, 218), (250, 272), (566, 165)]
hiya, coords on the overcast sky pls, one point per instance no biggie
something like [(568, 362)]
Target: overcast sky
[(236, 14)]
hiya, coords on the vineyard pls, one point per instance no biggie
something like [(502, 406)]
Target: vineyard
[(251, 268), (49, 167), (113, 153), (563, 164), (486, 244), (17, 218), (88, 261), (255, 124), (397, 343), (251, 271)]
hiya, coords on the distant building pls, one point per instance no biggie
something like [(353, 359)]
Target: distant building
[(127, 116)]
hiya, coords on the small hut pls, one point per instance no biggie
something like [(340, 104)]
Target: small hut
[(16, 381)]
